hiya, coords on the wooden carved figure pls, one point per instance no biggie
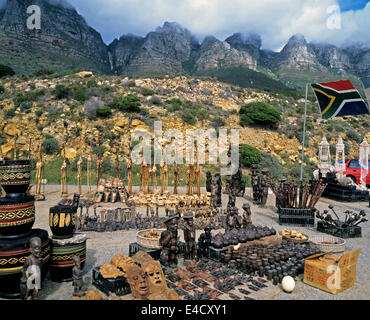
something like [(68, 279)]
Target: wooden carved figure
[(63, 179), (158, 289), (129, 175), (138, 282), (39, 171), (176, 178), (32, 269), (89, 160), (77, 277), (79, 174)]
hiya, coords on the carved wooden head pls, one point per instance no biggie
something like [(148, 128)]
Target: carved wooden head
[(155, 275), (138, 282)]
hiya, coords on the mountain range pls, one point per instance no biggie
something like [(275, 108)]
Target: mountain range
[(66, 41)]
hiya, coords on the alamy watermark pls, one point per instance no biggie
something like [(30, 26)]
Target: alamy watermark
[(334, 21), (34, 20), (171, 144)]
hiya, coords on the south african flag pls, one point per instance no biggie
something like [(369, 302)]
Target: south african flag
[(338, 99)]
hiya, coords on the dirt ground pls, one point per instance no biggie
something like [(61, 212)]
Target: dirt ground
[(102, 246)]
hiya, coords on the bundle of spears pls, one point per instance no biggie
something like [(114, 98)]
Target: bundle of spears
[(289, 195), (351, 219)]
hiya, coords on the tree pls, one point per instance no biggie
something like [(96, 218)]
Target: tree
[(250, 155), (50, 146), (6, 71), (259, 113), (103, 112), (129, 103)]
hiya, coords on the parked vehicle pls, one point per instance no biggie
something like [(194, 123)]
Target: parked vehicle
[(353, 171)]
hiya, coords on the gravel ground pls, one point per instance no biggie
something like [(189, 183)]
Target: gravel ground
[(102, 246)]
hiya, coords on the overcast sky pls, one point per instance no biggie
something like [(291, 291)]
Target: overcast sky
[(275, 20)]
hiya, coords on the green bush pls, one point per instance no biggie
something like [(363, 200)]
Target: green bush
[(174, 101), (91, 83), (353, 135), (250, 155), (188, 116), (338, 128), (9, 114), (218, 122), (271, 162), (2, 140), (6, 71), (39, 113), (79, 94), (28, 96), (103, 112), (61, 92), (50, 146), (307, 139), (26, 106), (147, 92), (259, 113), (173, 108), (2, 89), (129, 103), (107, 166), (43, 72)]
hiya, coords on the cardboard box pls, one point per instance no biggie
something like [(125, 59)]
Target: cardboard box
[(331, 273)]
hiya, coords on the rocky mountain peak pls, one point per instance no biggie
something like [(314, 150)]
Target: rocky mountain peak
[(65, 36), (298, 55), (209, 41), (297, 40), (243, 40)]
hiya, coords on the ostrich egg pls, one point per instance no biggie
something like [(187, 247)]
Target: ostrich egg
[(288, 284)]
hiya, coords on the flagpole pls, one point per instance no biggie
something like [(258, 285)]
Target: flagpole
[(304, 129)]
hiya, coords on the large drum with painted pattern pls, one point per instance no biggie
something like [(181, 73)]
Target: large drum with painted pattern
[(13, 253), (62, 253), (17, 215), (15, 176)]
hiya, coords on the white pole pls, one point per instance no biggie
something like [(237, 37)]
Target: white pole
[(304, 129)]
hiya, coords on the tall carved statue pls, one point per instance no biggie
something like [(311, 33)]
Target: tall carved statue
[(162, 175), (79, 174), (264, 186), (39, 171), (129, 175), (144, 177), (165, 171), (153, 177), (188, 180), (197, 178), (190, 174), (89, 160), (176, 178), (118, 168), (63, 179)]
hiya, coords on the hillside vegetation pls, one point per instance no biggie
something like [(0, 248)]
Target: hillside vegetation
[(69, 108)]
